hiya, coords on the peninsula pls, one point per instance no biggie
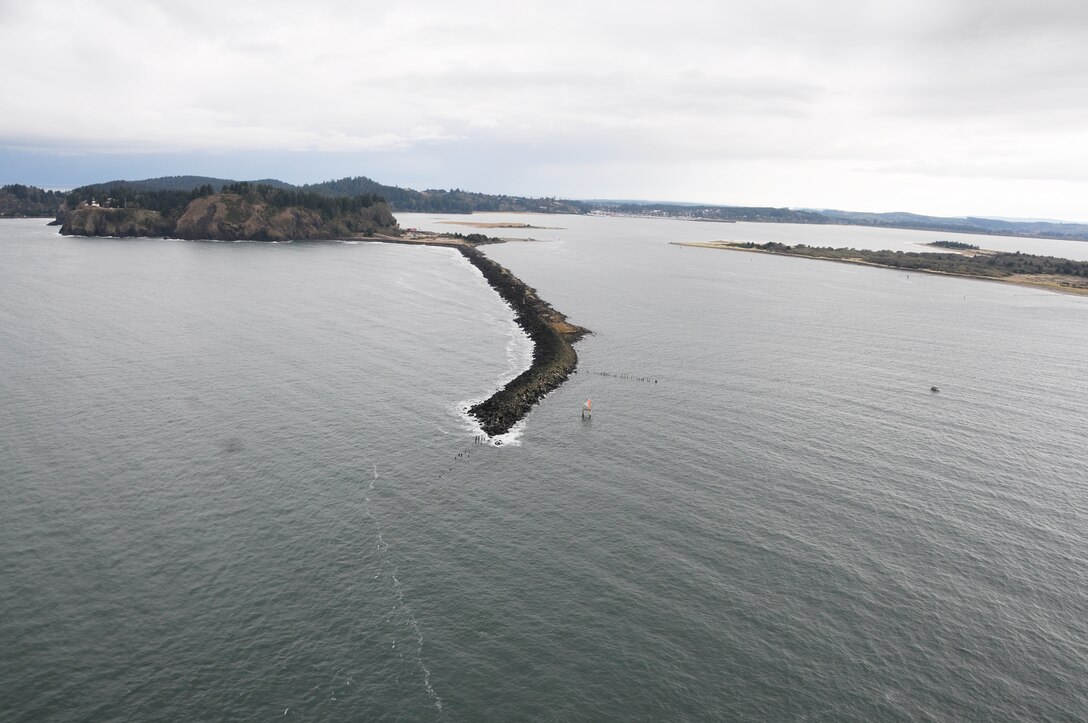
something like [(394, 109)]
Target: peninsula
[(258, 212), (1046, 272)]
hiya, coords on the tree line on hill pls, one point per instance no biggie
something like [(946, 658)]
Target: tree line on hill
[(327, 206), (19, 201), (235, 211), (439, 201), (399, 199), (958, 245), (170, 203)]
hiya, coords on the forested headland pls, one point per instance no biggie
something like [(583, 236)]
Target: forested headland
[(237, 211), (19, 201)]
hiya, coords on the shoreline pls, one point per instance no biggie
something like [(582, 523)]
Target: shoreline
[(554, 358), (1024, 280), (485, 224)]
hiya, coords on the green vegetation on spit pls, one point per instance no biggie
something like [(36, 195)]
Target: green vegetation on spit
[(958, 245), (991, 264)]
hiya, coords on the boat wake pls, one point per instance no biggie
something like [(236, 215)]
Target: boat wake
[(401, 613)]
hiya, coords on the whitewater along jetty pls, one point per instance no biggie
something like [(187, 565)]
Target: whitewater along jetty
[(554, 357)]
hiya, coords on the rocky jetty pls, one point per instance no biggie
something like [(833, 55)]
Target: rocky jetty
[(553, 356)]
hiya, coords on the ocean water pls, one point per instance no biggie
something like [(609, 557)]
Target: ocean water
[(236, 482)]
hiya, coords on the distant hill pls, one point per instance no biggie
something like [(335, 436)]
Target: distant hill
[(439, 201), (990, 226), (704, 212), (26, 201), (967, 224), (179, 183), (400, 199), (18, 201)]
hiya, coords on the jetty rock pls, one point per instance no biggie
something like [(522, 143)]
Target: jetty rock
[(554, 358)]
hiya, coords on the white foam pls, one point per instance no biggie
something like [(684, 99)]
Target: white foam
[(472, 427), (511, 438), (406, 613), (519, 353), (519, 357)]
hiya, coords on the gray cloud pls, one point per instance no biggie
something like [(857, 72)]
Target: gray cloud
[(802, 100)]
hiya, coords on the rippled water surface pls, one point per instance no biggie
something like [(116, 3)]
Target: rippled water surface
[(236, 483)]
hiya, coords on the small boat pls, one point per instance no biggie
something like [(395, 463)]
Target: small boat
[(934, 389), (587, 409)]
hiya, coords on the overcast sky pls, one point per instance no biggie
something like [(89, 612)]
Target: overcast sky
[(951, 107)]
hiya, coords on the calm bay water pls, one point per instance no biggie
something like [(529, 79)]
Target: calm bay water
[(236, 483)]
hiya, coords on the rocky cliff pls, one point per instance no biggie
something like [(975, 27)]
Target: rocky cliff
[(231, 217), (95, 221)]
